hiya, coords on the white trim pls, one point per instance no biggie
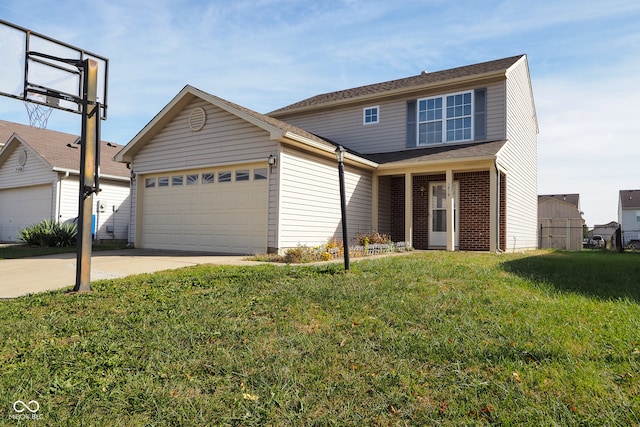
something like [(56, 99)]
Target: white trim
[(103, 176), (364, 115)]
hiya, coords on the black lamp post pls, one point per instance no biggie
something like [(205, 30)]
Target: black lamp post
[(343, 204)]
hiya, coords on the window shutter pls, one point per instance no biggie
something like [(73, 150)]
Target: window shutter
[(480, 114), (411, 123)]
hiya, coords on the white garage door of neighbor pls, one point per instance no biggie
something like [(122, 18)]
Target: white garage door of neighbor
[(21, 207), (213, 211)]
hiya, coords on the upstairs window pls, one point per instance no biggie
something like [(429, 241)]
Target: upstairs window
[(445, 118), (370, 115)]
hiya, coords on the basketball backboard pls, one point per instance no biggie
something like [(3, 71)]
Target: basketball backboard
[(39, 69)]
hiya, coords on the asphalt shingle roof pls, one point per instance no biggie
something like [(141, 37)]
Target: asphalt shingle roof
[(423, 79), (630, 199), (52, 147), (439, 153)]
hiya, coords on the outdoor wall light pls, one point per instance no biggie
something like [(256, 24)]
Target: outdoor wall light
[(271, 160), (422, 190)]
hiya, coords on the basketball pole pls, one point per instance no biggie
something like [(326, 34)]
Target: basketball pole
[(89, 149)]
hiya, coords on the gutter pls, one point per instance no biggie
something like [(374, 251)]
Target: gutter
[(76, 172), (404, 164)]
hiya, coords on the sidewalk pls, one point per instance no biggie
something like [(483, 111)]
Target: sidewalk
[(25, 276)]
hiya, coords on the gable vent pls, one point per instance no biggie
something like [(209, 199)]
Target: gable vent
[(197, 119)]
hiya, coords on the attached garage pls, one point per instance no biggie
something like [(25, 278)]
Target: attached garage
[(217, 209), (213, 176), (22, 207)]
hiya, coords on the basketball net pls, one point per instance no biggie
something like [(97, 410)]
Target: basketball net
[(38, 114)]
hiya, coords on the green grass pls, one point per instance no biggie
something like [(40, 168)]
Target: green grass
[(431, 338), (24, 250)]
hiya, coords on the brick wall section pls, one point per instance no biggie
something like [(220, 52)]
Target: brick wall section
[(421, 209), (397, 209), (474, 207)]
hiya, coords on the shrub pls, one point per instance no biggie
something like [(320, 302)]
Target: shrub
[(50, 233), (300, 254), (364, 239)]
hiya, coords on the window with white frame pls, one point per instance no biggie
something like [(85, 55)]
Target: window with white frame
[(446, 118), (371, 115)]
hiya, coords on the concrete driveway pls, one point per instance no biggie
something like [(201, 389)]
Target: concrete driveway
[(38, 274)]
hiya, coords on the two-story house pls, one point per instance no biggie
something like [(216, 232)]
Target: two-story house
[(629, 216), (438, 160)]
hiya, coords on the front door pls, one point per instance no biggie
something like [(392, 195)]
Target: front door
[(438, 214)]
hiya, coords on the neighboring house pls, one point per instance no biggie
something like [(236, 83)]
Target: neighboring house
[(439, 160), (629, 215), (604, 230), (39, 179), (560, 222)]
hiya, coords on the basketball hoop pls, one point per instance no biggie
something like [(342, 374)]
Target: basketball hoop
[(38, 114)]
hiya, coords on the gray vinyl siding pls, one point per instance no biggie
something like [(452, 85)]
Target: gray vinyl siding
[(115, 197), (519, 157), (496, 114), (111, 194), (68, 198), (34, 171), (310, 200), (225, 138), (344, 125)]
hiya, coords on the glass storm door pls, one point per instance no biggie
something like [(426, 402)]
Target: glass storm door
[(438, 214)]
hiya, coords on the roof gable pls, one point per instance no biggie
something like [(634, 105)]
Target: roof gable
[(277, 129), (573, 199), (422, 80), (57, 149)]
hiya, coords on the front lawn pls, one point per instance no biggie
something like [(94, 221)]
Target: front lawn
[(432, 338)]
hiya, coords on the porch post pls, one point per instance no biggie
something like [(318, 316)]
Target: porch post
[(375, 194), (408, 209), (451, 224), (493, 209)]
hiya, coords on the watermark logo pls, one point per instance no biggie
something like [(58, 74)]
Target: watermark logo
[(26, 411)]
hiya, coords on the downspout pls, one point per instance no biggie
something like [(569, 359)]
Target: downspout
[(497, 207)]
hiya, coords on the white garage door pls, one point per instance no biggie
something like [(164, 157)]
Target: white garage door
[(21, 207), (206, 210)]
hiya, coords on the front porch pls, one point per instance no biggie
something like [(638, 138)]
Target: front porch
[(449, 209)]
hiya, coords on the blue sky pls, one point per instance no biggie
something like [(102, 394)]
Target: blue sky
[(584, 59)]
